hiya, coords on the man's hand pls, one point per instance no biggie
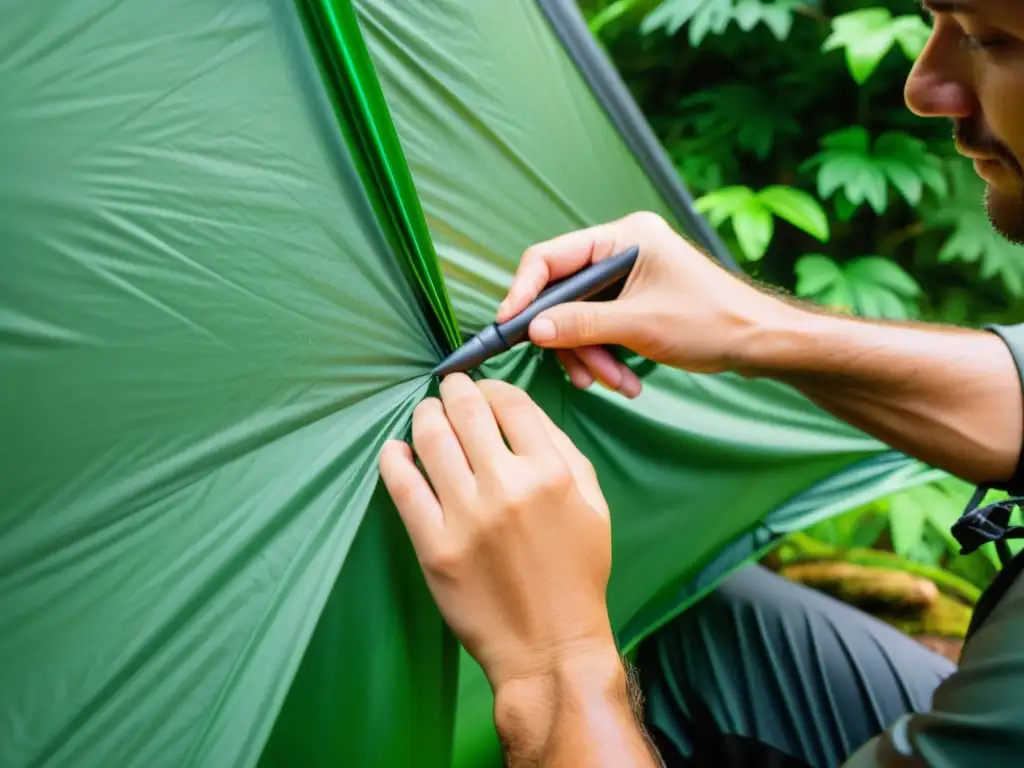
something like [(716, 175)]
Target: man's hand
[(515, 544), (678, 307)]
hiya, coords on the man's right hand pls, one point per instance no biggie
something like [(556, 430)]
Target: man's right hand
[(678, 307)]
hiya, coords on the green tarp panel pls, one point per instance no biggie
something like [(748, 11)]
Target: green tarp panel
[(211, 317)]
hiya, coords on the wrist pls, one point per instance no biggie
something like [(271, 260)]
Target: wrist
[(525, 708), (785, 338)]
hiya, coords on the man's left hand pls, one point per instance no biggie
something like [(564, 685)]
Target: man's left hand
[(514, 540)]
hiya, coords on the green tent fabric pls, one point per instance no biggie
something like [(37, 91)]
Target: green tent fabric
[(220, 298)]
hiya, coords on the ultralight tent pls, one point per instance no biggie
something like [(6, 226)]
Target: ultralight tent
[(236, 235)]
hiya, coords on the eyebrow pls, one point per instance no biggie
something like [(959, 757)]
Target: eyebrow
[(950, 6)]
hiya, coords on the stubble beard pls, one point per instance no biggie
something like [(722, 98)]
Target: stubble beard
[(1006, 214)]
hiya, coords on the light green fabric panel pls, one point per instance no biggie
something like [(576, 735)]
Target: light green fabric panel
[(507, 147), (506, 144), (204, 340)]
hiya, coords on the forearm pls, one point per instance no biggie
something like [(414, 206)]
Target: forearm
[(587, 713), (950, 397)]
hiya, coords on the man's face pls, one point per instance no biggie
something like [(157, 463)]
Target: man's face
[(972, 71)]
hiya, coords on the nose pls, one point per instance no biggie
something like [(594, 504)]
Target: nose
[(939, 84), (933, 94)]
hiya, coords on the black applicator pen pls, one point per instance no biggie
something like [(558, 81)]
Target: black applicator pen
[(497, 338)]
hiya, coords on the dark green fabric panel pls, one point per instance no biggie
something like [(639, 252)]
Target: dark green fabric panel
[(204, 338), (399, 710)]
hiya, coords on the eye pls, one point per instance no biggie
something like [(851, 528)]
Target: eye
[(983, 42)]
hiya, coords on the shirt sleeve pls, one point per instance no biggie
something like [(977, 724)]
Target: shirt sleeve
[(1013, 337)]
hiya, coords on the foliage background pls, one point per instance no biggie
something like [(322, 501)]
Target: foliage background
[(786, 120)]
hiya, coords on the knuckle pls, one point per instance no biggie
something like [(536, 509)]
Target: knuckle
[(554, 478), (644, 220), (505, 397), (430, 427), (444, 562), (586, 321), (401, 490)]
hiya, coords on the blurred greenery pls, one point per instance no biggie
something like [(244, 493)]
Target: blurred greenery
[(787, 121)]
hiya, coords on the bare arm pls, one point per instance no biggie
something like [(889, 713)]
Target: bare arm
[(950, 397), (586, 714)]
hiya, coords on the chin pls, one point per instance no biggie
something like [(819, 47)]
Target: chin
[(1005, 211)]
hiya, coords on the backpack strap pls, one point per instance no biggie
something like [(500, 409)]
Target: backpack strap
[(980, 525)]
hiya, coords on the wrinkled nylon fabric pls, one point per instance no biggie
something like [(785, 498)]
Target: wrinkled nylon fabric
[(366, 123), (205, 337), (507, 147)]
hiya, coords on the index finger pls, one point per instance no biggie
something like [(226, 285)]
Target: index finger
[(552, 260)]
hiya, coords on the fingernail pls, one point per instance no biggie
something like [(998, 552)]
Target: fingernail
[(542, 329), (629, 385)]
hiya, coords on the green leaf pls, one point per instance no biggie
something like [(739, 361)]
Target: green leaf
[(844, 208), (609, 14), (868, 34), (723, 203), (754, 226), (670, 15), (821, 278), (798, 208), (713, 16), (855, 139), (870, 286), (779, 19), (849, 163), (936, 506), (816, 274), (907, 520), (739, 116), (752, 214), (912, 34), (884, 273)]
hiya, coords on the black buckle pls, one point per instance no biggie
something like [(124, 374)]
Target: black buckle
[(979, 526)]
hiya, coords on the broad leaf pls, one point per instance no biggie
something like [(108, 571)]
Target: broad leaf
[(870, 286), (798, 208), (754, 226), (907, 520), (671, 15), (737, 115), (867, 35), (752, 214), (849, 163), (713, 16), (820, 278), (723, 203)]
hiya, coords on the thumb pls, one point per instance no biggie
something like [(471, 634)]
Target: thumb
[(581, 324)]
